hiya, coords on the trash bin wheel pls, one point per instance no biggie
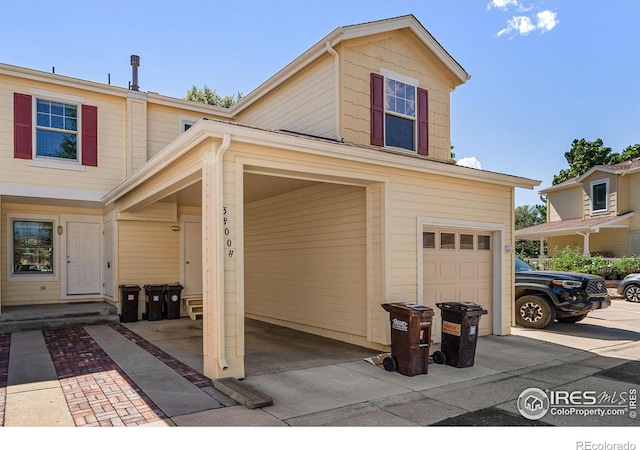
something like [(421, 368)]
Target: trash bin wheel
[(389, 364), (439, 357)]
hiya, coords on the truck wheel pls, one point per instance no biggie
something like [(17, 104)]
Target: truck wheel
[(533, 311), (632, 293), (572, 319)]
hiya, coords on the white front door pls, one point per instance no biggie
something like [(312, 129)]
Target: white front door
[(192, 257), (83, 258)]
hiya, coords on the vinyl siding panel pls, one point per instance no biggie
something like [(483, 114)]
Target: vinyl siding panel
[(566, 204), (401, 53), (305, 104), (34, 292), (305, 258), (111, 142)]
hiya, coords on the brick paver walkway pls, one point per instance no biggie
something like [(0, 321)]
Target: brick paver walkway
[(5, 341), (98, 392)]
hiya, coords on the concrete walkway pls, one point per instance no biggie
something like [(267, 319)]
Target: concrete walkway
[(41, 379)]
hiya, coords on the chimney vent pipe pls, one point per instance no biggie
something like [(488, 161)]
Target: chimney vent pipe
[(135, 63)]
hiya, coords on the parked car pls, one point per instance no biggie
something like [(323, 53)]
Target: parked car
[(629, 287), (542, 296)]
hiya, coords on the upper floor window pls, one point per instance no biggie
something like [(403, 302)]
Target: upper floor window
[(399, 113), (55, 131), (599, 191), (187, 122)]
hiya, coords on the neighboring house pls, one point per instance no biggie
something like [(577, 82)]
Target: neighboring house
[(324, 193), (593, 212)]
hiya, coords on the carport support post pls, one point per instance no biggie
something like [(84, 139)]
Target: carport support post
[(215, 364)]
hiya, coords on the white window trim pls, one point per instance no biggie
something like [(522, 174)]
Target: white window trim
[(11, 276), (386, 73), (187, 120), (49, 161), (596, 212)]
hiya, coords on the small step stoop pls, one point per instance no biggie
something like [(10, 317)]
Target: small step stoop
[(194, 307), (46, 317), (242, 393)]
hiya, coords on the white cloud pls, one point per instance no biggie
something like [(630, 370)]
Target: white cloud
[(523, 25), (470, 161), (546, 20), (502, 4)]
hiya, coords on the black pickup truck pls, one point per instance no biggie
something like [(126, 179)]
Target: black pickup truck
[(542, 296)]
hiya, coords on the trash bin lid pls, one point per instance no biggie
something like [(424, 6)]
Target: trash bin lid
[(408, 309), (129, 286), (461, 306)]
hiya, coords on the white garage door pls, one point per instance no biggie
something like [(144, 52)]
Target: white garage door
[(457, 266)]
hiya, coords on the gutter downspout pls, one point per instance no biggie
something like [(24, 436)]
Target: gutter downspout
[(336, 75), (218, 248), (585, 240)]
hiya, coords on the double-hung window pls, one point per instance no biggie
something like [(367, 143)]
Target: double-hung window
[(599, 192), (399, 113), (55, 129)]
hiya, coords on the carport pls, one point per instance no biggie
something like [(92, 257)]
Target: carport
[(288, 244)]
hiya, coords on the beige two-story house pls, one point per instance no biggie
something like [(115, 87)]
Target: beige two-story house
[(593, 212), (324, 193)]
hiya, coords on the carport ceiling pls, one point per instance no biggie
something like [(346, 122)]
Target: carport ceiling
[(256, 187)]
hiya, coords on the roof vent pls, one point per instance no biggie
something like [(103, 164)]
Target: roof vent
[(135, 63)]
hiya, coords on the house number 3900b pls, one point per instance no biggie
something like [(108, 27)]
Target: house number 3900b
[(227, 232)]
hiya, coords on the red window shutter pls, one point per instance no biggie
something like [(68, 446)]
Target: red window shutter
[(22, 126), (89, 135), (377, 110), (423, 122)]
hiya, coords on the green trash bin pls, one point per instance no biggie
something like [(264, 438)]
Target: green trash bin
[(155, 294), (460, 332)]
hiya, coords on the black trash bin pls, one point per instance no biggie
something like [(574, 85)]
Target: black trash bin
[(172, 301), (154, 300), (460, 332), (410, 338), (129, 302)]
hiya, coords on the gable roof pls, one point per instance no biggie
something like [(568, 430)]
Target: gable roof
[(326, 45), (625, 167)]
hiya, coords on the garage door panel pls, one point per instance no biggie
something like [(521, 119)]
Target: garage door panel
[(451, 275)]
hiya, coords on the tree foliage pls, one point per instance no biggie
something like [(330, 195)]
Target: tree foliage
[(584, 155), (528, 216), (211, 97)]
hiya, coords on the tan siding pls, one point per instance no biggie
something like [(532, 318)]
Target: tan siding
[(613, 187), (614, 242), (149, 253), (111, 142), (566, 204), (34, 292), (401, 53), (305, 258), (305, 104), (634, 200), (623, 198)]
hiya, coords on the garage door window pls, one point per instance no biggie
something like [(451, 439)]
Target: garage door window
[(447, 241), (466, 241), (484, 242), (428, 239)]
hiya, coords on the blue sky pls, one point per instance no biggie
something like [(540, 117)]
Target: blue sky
[(543, 72)]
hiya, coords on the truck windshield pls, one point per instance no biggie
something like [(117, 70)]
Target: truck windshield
[(522, 266)]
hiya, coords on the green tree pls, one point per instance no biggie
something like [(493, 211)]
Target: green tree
[(211, 97), (584, 155), (528, 216)]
